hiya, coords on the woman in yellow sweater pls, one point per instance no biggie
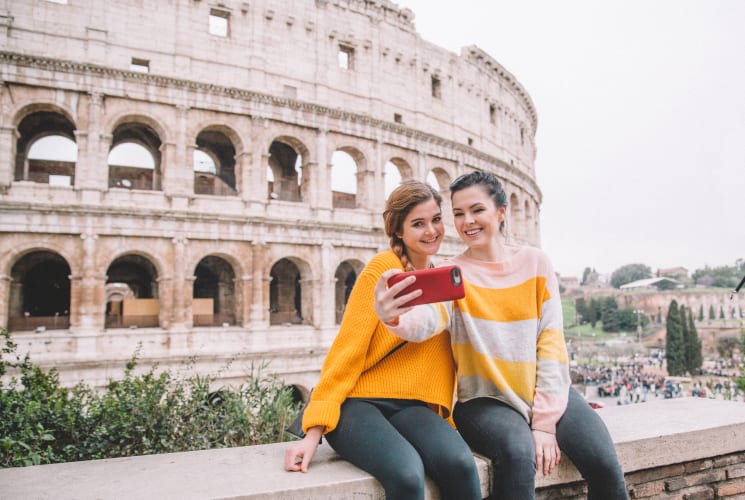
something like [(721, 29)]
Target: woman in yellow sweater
[(383, 405)]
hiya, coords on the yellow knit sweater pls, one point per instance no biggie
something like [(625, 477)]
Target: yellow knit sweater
[(423, 371)]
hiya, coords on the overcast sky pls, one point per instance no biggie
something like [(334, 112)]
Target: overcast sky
[(641, 121)]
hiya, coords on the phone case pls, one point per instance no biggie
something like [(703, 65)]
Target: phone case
[(438, 284)]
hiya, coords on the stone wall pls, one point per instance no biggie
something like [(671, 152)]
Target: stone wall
[(258, 88), (688, 448)]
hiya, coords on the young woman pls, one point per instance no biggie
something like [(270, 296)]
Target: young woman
[(515, 402), (383, 407)]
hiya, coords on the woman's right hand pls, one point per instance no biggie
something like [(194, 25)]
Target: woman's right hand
[(387, 306), (299, 454)]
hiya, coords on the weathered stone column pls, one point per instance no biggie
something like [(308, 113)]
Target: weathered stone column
[(89, 315), (325, 296), (91, 167), (260, 287), (177, 170), (321, 177), (179, 313), (6, 308)]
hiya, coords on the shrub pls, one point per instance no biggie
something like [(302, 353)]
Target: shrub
[(154, 412)]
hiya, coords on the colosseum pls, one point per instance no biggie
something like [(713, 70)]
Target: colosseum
[(201, 181)]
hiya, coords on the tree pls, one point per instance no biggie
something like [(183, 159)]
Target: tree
[(628, 273), (610, 314), (674, 347), (694, 357), (701, 313), (712, 313), (585, 274)]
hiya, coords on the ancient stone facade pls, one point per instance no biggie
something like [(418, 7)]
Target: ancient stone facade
[(205, 179)]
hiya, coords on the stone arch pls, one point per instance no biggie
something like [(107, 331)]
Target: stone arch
[(287, 158), (345, 277), (347, 172), (515, 219), (218, 143), (214, 295), (528, 222), (137, 272), (290, 294), (37, 122), (40, 292), (138, 131), (396, 170)]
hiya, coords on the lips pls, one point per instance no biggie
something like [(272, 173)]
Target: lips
[(472, 232)]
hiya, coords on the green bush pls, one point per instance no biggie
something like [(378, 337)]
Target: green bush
[(42, 422)]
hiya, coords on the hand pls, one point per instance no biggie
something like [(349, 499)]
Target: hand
[(299, 454), (547, 452), (387, 306)]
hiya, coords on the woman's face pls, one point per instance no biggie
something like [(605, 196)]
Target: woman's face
[(422, 231), (476, 217)]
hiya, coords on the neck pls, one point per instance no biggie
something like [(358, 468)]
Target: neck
[(496, 252), (420, 263)]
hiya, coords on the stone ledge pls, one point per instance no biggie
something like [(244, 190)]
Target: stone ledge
[(651, 435)]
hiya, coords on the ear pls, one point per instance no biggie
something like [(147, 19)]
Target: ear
[(501, 213)]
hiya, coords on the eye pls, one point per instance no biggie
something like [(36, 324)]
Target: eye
[(437, 219), (457, 214)]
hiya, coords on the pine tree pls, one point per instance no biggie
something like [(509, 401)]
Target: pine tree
[(673, 342), (721, 312), (694, 357), (712, 313), (684, 338), (701, 313)]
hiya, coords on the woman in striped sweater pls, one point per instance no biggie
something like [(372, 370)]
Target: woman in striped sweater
[(383, 406), (515, 402)]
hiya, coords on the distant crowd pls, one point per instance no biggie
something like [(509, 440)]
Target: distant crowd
[(645, 378)]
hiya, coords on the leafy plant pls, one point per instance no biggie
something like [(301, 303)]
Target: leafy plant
[(151, 412)]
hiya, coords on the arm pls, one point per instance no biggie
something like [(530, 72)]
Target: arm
[(299, 454), (417, 323), (552, 375)]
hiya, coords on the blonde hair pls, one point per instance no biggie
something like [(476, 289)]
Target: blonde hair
[(400, 202)]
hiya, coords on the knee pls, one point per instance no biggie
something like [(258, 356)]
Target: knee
[(407, 482), (461, 464), (518, 452)]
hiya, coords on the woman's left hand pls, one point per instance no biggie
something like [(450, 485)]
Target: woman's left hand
[(547, 453)]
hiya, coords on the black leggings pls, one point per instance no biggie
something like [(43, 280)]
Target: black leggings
[(500, 433), (398, 441)]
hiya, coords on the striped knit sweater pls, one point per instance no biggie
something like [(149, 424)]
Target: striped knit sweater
[(423, 371), (507, 335)]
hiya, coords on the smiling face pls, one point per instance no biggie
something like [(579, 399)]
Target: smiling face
[(422, 232), (477, 220)]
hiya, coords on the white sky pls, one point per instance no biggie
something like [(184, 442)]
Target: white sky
[(641, 121)]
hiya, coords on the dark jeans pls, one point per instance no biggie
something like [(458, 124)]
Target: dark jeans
[(500, 433), (398, 441)]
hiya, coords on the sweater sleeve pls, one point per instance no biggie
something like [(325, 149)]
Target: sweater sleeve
[(552, 378), (423, 322), (347, 355)]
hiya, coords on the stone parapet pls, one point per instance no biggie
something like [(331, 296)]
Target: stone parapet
[(679, 448)]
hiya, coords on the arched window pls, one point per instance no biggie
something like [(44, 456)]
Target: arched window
[(285, 294), (40, 292), (346, 276), (214, 164), (135, 303), (214, 293), (392, 178), (134, 158), (46, 151), (287, 177), (343, 180)]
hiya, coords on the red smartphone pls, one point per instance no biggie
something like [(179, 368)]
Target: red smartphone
[(438, 284)]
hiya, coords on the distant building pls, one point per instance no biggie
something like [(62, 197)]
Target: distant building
[(673, 272), (663, 283), (569, 282)]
